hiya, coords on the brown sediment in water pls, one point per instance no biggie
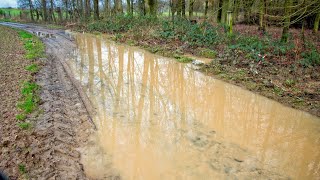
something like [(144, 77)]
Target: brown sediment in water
[(159, 119)]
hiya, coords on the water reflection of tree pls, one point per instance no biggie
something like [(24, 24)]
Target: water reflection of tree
[(180, 95)]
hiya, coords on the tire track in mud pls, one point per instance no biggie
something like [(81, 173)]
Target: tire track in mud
[(64, 125)]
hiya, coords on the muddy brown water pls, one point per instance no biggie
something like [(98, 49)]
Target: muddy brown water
[(159, 119)]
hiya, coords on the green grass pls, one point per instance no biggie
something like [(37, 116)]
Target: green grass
[(24, 35), (34, 47), (24, 125), (183, 59), (33, 68), (22, 168), (21, 117), (207, 53), (13, 11), (29, 100)]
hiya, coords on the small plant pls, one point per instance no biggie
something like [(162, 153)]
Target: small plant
[(22, 168), (278, 91), (289, 82), (207, 53), (24, 125), (29, 98), (21, 117), (118, 36), (183, 59), (34, 68)]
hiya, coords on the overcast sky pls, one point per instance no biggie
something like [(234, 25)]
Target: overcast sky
[(8, 3)]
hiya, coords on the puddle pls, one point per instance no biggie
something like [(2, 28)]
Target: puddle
[(159, 119), (44, 34)]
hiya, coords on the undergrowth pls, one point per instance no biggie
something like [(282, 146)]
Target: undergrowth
[(204, 39)]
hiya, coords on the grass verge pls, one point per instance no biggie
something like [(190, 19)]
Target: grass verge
[(29, 89)]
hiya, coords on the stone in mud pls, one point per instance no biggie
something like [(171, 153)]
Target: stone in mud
[(198, 140), (197, 62)]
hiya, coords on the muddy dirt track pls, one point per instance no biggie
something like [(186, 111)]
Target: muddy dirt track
[(50, 150), (149, 104)]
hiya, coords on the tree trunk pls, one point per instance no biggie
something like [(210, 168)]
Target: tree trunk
[(152, 7), (206, 8), (316, 23), (81, 10), (129, 7), (247, 6), (31, 10), (191, 3), (131, 10), (118, 6), (96, 9), (262, 22), (107, 7), (59, 14), (225, 7), (44, 8), (287, 13), (142, 7), (179, 7), (52, 11), (66, 6), (87, 9), (219, 16), (37, 14), (183, 8)]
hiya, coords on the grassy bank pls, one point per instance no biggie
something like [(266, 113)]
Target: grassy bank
[(28, 103), (260, 62)]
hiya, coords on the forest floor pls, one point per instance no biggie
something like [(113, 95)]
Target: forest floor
[(47, 147)]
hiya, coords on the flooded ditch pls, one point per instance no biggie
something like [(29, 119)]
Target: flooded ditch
[(159, 119)]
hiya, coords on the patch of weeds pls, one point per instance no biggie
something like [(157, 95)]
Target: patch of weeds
[(207, 53), (34, 68), (278, 91), (24, 125), (28, 102), (311, 58), (289, 82), (153, 49), (21, 117), (29, 88), (183, 59), (33, 46), (239, 75), (298, 101), (131, 42), (22, 168), (24, 35), (118, 37)]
